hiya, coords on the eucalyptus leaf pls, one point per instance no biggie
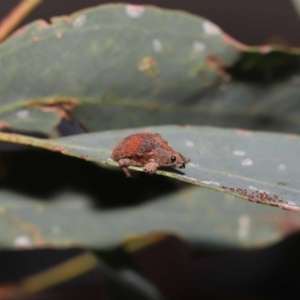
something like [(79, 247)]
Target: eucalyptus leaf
[(109, 60), (27, 120), (200, 215), (122, 66), (257, 166)]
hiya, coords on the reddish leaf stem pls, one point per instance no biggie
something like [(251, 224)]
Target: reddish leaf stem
[(15, 17)]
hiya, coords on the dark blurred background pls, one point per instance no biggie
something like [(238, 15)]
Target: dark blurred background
[(251, 22)]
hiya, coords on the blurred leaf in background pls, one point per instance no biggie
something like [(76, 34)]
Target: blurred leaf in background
[(182, 69)]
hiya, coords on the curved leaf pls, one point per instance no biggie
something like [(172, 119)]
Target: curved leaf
[(197, 214), (110, 59), (32, 120), (149, 66), (259, 167)]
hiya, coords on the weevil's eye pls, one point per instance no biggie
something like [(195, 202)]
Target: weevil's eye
[(173, 159)]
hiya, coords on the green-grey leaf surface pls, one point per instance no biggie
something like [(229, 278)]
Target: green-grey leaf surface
[(110, 60), (257, 166), (128, 66), (194, 213), (27, 120)]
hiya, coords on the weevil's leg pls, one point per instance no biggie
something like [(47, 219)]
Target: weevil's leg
[(150, 167), (124, 163)]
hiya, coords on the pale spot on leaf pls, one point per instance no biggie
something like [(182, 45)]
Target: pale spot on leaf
[(149, 66), (244, 222), (22, 113), (239, 153), (282, 167), (157, 45), (291, 203), (210, 182), (134, 11), (189, 144), (210, 28), (192, 178), (193, 165), (243, 132), (79, 21), (251, 187), (22, 241), (205, 182), (247, 162), (215, 183), (199, 46)]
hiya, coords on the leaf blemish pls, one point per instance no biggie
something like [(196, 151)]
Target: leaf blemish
[(215, 63), (149, 66), (251, 187), (291, 203), (134, 11), (60, 149), (247, 162), (210, 182), (85, 157), (193, 165), (79, 21), (243, 132), (157, 46), (48, 145), (22, 113), (290, 208), (205, 182), (261, 197), (266, 192), (239, 153), (22, 241), (230, 40), (210, 28), (189, 144), (20, 30), (61, 107), (199, 46), (68, 18), (282, 167), (244, 222), (43, 24), (215, 183)]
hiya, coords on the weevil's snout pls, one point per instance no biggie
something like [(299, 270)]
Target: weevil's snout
[(179, 161), (180, 164)]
